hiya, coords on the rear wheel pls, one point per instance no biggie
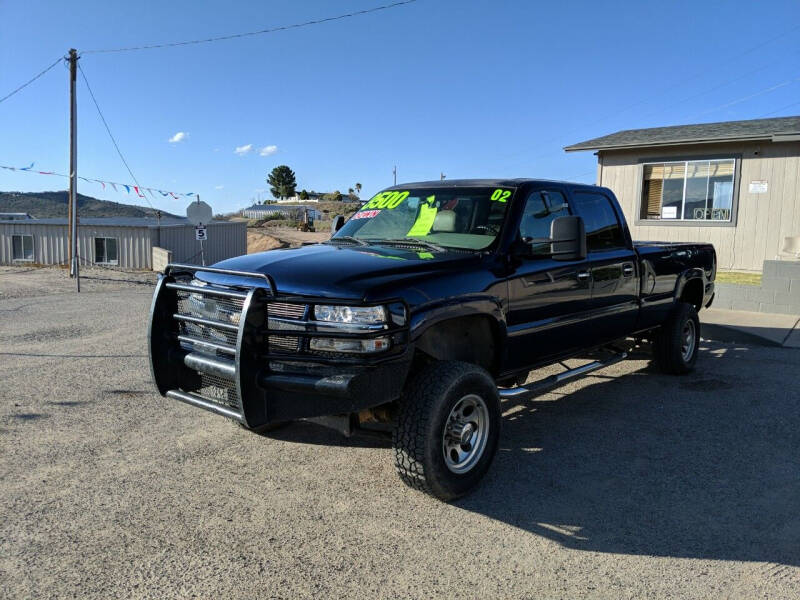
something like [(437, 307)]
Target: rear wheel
[(448, 429), (676, 342)]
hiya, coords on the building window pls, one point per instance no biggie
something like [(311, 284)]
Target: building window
[(689, 190), (22, 247), (105, 251)]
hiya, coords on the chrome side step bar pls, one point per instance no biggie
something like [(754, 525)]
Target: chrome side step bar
[(537, 387)]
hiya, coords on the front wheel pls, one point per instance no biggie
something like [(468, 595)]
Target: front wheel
[(448, 429), (676, 342)]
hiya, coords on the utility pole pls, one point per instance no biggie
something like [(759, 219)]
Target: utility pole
[(73, 169), (394, 172), (442, 176)]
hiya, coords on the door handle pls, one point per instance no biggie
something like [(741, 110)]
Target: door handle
[(627, 270), (583, 275)]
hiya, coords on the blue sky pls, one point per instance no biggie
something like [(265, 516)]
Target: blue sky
[(471, 88)]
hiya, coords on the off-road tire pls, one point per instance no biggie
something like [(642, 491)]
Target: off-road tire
[(668, 341), (424, 408)]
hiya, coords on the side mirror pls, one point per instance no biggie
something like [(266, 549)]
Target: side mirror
[(568, 238), (337, 223)]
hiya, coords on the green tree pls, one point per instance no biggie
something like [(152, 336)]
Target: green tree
[(358, 189), (282, 182), (350, 191), (303, 195)]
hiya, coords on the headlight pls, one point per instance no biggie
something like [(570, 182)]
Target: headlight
[(362, 315), (351, 346)]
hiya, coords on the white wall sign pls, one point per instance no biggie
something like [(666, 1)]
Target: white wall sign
[(200, 233), (759, 186), (669, 212)]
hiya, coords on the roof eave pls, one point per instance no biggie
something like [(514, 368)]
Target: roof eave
[(769, 137)]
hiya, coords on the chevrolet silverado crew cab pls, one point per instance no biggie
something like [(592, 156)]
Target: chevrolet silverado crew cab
[(427, 307)]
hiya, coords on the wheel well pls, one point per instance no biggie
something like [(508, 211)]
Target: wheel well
[(693, 293), (472, 339)]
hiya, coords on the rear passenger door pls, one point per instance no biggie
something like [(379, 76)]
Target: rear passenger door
[(612, 266)]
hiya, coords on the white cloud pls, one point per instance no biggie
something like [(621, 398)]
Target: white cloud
[(178, 137), (268, 150), (218, 187), (242, 150)]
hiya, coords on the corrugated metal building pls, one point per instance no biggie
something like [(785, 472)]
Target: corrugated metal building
[(735, 184), (124, 242)]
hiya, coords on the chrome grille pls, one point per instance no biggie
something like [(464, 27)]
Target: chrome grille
[(285, 310), (215, 308)]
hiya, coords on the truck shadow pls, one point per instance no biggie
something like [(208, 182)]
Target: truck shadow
[(702, 466)]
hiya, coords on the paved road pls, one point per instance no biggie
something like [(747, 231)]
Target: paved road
[(626, 484)]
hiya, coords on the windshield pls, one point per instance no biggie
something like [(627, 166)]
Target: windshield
[(467, 218)]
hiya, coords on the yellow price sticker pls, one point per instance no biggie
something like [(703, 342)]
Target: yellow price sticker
[(427, 214)]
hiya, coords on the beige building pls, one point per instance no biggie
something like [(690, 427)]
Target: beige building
[(735, 184)]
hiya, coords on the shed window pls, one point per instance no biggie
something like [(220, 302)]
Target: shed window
[(105, 250), (22, 247), (690, 190)]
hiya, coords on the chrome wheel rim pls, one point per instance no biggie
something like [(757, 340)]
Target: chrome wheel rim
[(466, 433), (688, 340)]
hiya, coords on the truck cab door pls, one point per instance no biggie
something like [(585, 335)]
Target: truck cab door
[(544, 294), (613, 267)]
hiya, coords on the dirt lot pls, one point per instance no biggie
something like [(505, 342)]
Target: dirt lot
[(627, 484), (261, 239)]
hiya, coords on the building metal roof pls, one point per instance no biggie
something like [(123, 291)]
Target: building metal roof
[(781, 129), (112, 222)]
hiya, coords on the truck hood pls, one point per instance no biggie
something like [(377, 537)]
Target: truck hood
[(338, 271)]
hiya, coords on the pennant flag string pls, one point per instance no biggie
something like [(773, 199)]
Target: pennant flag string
[(139, 190)]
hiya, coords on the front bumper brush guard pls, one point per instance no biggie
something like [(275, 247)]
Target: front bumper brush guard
[(174, 369)]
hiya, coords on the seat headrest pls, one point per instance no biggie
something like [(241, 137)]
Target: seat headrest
[(445, 221)]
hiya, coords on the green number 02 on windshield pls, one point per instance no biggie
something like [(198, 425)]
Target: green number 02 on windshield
[(388, 200), (500, 195)]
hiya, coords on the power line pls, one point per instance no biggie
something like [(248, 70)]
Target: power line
[(659, 95), (251, 33), (30, 81), (781, 109), (111, 135)]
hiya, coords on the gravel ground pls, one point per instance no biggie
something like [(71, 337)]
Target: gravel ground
[(627, 484)]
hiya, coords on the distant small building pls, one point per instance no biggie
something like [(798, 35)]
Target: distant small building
[(15, 216), (735, 184), (126, 242), (287, 211)]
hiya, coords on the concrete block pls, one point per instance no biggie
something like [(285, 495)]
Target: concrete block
[(794, 286), (790, 269), (748, 305), (161, 258), (761, 295), (779, 309), (776, 284), (789, 298), (725, 303), (770, 268)]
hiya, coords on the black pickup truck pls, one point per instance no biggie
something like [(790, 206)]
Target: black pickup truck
[(426, 308)]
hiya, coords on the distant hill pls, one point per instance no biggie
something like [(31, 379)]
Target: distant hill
[(48, 205)]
